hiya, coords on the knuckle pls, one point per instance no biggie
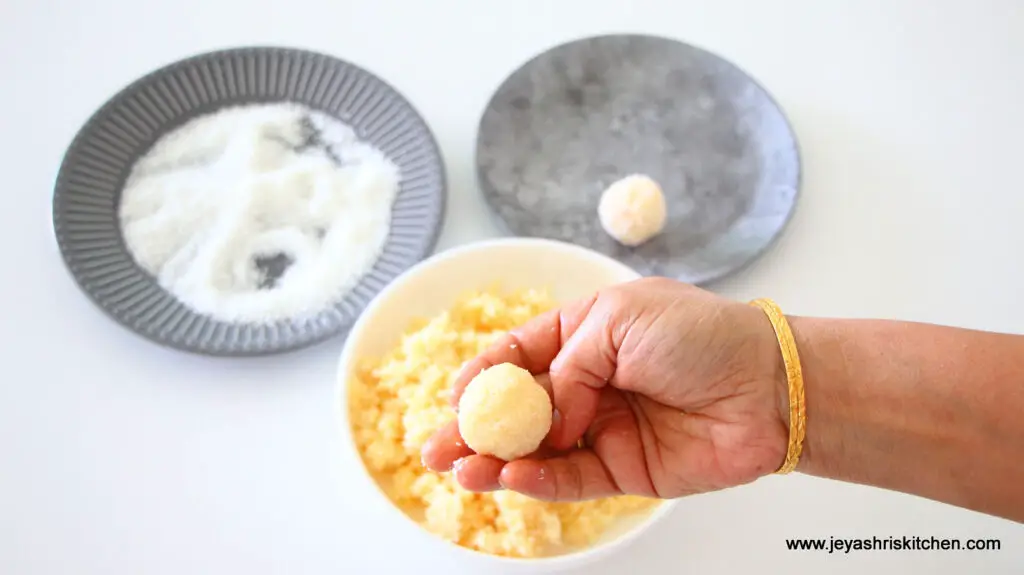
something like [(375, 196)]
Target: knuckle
[(614, 298)]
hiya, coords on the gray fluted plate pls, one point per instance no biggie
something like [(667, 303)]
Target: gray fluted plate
[(576, 118), (88, 188)]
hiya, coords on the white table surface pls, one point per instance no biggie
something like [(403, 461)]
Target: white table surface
[(119, 457)]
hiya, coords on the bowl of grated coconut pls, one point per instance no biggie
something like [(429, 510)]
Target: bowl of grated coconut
[(394, 376), (247, 201)]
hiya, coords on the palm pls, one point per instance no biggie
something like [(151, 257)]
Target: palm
[(682, 453), (671, 388), (695, 438)]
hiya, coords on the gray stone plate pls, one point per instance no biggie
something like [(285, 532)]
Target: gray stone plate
[(578, 117), (99, 159)]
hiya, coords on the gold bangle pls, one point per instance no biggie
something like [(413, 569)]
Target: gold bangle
[(794, 379)]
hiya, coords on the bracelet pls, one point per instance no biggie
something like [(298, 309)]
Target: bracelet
[(794, 379)]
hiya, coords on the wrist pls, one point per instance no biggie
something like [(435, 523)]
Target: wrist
[(775, 380), (787, 332), (825, 361), (803, 330)]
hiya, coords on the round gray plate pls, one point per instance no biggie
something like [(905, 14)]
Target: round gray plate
[(99, 159), (573, 120)]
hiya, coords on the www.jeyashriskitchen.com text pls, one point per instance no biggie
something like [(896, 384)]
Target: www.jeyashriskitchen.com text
[(903, 543)]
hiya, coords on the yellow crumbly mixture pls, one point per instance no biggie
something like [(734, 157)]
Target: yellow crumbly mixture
[(399, 400)]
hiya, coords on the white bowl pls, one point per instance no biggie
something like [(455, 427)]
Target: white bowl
[(567, 271)]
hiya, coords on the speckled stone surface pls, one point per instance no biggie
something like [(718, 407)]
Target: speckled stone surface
[(573, 120)]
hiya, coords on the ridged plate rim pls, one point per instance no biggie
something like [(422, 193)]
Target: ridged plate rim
[(285, 335)]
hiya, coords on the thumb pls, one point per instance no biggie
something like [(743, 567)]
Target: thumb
[(583, 366)]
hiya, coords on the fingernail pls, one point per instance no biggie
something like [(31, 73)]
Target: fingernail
[(556, 429), (457, 464)]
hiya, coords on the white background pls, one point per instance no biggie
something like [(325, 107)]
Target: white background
[(119, 457)]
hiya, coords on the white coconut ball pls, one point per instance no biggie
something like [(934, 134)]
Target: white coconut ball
[(504, 412), (632, 210)]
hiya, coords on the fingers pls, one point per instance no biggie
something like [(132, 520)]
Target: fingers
[(532, 346), (615, 463), (576, 476), (585, 364), (478, 473), (544, 380), (615, 437), (576, 346), (444, 448)]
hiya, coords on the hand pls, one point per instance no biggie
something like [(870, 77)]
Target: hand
[(673, 390)]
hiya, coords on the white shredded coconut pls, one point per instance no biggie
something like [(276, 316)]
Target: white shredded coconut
[(259, 213)]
